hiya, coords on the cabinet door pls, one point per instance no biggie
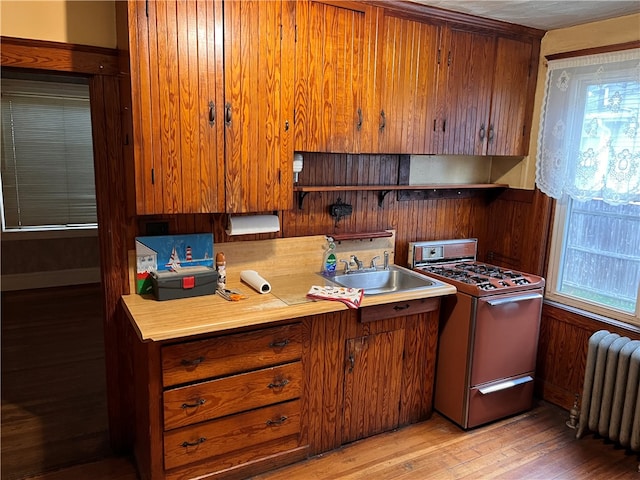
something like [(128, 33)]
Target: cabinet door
[(372, 386), (329, 60), (508, 133), (468, 58), (259, 48), (176, 91), (409, 86)]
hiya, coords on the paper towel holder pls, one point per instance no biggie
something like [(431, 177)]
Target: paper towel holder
[(252, 224)]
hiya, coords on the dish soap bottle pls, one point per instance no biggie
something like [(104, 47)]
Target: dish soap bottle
[(330, 261), (221, 268)]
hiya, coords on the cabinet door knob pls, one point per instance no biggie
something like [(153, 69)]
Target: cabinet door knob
[(490, 134), (279, 344), (482, 132), (199, 402), (359, 124), (193, 444), (279, 421), (286, 125), (383, 120), (227, 114), (352, 362), (192, 363), (212, 114), (278, 383), (401, 307)]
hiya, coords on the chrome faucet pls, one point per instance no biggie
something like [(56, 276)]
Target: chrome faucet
[(373, 262), (347, 267), (355, 260)]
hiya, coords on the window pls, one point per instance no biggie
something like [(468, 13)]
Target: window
[(589, 160), (47, 154)]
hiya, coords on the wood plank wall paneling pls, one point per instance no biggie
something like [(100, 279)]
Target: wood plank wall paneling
[(562, 352)]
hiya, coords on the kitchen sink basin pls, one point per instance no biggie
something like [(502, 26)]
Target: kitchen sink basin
[(394, 280)]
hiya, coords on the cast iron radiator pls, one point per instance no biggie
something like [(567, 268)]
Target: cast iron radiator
[(610, 399)]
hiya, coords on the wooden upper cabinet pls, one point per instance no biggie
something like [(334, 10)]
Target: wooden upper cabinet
[(259, 49), (511, 100), (488, 96), (329, 76), (175, 66), (409, 69), (467, 60)]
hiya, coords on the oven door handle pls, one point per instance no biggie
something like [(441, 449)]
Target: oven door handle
[(521, 298), (505, 385)]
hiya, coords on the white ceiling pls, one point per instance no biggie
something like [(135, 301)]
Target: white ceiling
[(541, 14)]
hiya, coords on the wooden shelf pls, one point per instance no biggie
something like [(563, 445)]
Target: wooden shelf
[(338, 237), (383, 190)]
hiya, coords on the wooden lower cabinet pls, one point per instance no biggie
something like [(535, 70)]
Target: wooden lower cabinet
[(372, 384), (365, 377), (237, 404)]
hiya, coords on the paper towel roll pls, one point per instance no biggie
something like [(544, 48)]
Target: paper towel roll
[(251, 224), (254, 280)]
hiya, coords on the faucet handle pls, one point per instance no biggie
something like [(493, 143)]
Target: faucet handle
[(373, 261), (386, 260)]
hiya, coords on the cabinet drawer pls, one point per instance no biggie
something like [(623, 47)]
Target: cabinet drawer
[(214, 357), (219, 437), (228, 395), (398, 309)]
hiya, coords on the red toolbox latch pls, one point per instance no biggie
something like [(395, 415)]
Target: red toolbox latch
[(188, 282)]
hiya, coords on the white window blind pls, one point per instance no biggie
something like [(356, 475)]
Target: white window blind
[(47, 155)]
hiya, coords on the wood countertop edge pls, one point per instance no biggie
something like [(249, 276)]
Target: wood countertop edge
[(151, 321)]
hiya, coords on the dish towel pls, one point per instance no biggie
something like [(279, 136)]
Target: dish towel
[(351, 297)]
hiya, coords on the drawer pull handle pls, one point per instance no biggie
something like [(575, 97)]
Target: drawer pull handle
[(279, 344), (279, 421), (401, 307), (278, 384), (193, 444), (194, 405), (192, 363)]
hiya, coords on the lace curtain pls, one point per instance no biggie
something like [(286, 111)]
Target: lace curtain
[(589, 144)]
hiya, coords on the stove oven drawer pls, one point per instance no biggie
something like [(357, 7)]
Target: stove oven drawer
[(505, 336), (499, 399)]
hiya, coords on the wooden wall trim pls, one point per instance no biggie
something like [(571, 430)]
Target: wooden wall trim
[(562, 351), (58, 57), (100, 66), (589, 321), (416, 11), (595, 50)]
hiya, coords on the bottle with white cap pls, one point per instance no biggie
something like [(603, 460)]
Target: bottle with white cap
[(221, 268)]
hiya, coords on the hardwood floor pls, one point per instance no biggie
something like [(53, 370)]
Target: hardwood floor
[(54, 410), (533, 445)]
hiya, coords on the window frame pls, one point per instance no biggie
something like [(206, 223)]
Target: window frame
[(559, 226), (559, 219)]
